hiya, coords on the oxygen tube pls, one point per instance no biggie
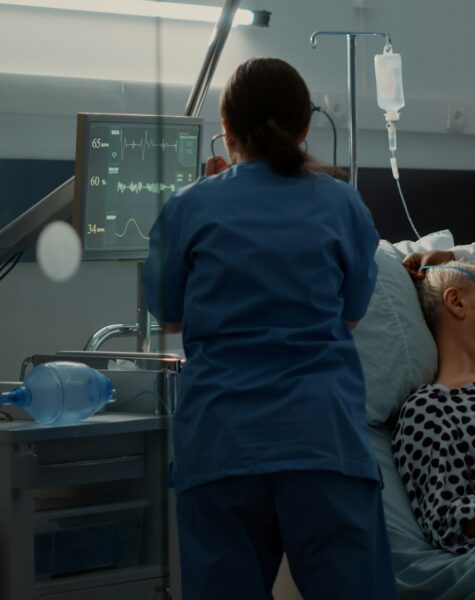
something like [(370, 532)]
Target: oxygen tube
[(390, 96)]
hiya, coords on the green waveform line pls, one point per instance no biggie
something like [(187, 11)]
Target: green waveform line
[(144, 144), (129, 222), (138, 187)]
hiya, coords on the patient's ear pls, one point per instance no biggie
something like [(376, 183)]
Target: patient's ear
[(455, 302)]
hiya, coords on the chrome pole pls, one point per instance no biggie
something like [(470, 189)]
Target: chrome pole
[(351, 57), (213, 54), (144, 318)]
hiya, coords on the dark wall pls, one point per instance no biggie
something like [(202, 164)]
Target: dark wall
[(25, 182), (436, 200)]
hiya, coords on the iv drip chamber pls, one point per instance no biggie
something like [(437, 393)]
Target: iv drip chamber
[(390, 94)]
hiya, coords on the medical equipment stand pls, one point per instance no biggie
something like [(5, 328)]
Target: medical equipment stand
[(351, 57), (144, 327), (104, 472)]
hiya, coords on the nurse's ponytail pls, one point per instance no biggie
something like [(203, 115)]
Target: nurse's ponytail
[(267, 107), (275, 145)]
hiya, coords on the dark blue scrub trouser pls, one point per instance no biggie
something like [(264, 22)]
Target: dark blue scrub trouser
[(233, 533)]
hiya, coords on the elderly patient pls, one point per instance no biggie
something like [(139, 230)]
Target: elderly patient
[(434, 439)]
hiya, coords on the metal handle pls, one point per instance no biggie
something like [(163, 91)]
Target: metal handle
[(98, 338), (315, 34)]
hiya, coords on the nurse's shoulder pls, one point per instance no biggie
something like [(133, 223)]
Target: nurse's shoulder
[(338, 189), (341, 196), (202, 190)]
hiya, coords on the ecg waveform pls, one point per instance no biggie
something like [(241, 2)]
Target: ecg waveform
[(138, 187), (121, 235), (144, 144)]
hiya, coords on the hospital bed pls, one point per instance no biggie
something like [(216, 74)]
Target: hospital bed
[(422, 571), (398, 354)]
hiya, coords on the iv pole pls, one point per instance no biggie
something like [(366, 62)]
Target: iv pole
[(351, 59)]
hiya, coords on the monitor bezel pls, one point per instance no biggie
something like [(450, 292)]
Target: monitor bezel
[(84, 122)]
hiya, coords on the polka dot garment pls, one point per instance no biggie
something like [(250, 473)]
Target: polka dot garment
[(434, 451)]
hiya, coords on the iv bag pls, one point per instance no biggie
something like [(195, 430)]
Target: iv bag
[(389, 83)]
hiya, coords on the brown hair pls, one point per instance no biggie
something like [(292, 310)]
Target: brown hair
[(267, 106)]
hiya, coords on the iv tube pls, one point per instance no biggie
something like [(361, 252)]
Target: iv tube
[(390, 97)]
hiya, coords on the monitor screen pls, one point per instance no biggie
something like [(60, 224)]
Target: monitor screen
[(127, 166)]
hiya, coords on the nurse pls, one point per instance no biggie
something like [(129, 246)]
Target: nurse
[(266, 266)]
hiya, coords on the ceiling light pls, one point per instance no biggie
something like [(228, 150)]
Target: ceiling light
[(148, 8)]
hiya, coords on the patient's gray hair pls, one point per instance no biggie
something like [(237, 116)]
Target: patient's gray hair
[(431, 289)]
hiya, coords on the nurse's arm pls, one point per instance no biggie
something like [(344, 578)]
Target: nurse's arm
[(351, 325), (170, 327)]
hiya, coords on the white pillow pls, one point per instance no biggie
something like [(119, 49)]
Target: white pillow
[(440, 240), (466, 252), (396, 348)]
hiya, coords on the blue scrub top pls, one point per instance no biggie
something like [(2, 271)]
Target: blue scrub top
[(263, 271)]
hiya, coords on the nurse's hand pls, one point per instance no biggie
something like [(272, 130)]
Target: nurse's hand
[(215, 165), (413, 262)]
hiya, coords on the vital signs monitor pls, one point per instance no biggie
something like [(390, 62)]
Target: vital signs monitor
[(127, 166)]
